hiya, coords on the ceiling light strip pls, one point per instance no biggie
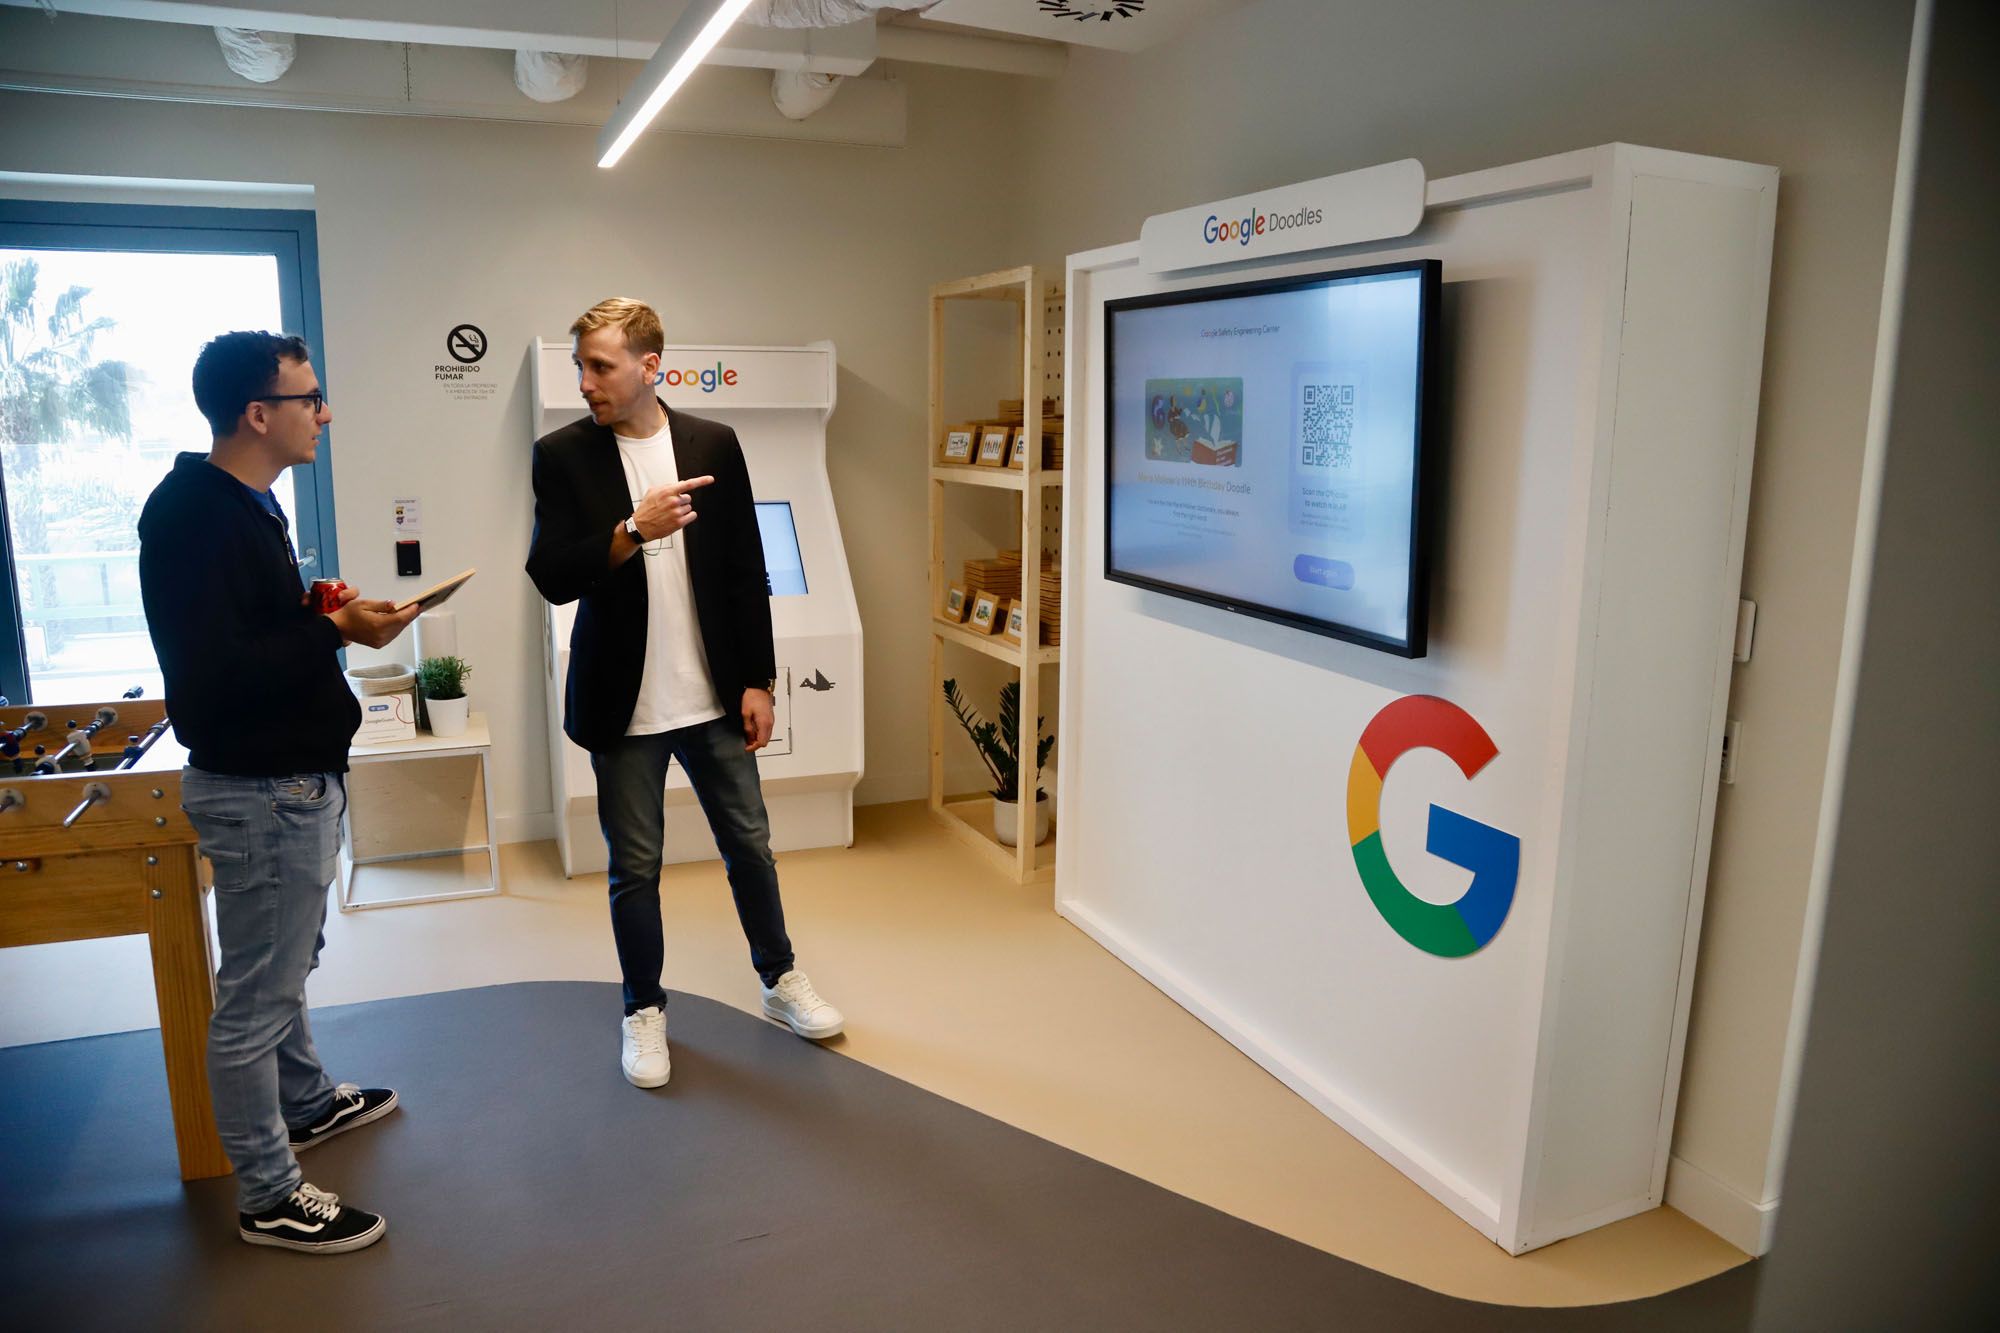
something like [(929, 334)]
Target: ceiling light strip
[(700, 26)]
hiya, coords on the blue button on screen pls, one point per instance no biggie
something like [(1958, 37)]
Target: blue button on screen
[(1327, 573)]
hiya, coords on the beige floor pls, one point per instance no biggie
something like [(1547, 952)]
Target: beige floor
[(963, 985)]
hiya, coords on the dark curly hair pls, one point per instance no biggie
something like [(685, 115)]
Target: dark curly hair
[(238, 367)]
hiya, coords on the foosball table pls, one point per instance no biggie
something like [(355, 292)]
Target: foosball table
[(93, 843)]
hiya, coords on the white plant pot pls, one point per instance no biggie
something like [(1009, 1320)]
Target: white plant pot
[(1003, 821), (447, 716)]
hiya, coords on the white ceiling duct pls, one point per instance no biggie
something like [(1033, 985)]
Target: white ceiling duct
[(821, 13), (798, 93), (261, 57), (550, 76)]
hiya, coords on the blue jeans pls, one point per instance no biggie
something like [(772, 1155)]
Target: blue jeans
[(631, 809), (275, 843)]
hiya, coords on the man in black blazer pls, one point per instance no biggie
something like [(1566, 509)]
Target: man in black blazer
[(671, 657)]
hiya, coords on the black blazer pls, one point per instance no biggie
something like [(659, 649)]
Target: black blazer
[(580, 496)]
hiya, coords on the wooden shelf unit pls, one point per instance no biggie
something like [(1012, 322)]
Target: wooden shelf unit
[(1038, 351)]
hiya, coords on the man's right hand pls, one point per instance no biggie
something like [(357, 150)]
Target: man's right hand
[(665, 510), (373, 624)]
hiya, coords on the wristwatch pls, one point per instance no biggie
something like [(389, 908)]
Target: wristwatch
[(770, 686), (632, 530)]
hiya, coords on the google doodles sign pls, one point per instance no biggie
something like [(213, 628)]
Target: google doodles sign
[(1449, 930)]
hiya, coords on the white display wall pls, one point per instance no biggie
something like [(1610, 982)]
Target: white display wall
[(1602, 334)]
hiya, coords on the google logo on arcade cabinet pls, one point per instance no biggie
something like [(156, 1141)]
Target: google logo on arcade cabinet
[(1449, 930), (707, 379)]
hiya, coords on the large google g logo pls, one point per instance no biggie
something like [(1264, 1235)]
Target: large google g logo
[(1449, 930)]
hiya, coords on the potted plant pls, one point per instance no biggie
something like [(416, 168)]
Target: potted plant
[(999, 749), (441, 680)]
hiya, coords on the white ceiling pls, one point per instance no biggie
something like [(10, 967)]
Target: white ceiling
[(1115, 25), (632, 28)]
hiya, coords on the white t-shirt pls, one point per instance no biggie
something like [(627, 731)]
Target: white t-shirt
[(674, 689)]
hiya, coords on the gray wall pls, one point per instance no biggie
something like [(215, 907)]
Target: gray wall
[(1890, 1208), (1288, 90)]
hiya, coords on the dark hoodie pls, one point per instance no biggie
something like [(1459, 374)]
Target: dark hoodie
[(254, 685)]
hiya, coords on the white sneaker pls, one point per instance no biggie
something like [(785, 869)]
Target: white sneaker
[(645, 1048), (794, 1003)]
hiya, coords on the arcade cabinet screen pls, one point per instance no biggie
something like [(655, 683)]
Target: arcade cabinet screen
[(782, 565)]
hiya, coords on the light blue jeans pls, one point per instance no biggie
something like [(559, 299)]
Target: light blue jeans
[(275, 843)]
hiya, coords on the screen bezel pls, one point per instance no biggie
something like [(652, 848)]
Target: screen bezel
[(1430, 283)]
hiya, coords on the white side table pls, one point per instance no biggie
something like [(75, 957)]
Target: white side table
[(474, 744)]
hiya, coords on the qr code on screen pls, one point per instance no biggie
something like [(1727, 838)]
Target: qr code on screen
[(1326, 432)]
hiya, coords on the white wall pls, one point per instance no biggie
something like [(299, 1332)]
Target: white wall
[(1289, 90), (424, 223)]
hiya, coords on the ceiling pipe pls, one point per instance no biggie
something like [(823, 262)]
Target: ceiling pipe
[(259, 56), (822, 13), (798, 93), (550, 76)]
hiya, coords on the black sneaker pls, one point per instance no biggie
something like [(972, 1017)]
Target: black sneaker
[(313, 1221), (352, 1107)]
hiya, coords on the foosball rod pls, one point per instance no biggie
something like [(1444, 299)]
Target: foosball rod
[(134, 752), (79, 741), (92, 794), (10, 740), (136, 747)]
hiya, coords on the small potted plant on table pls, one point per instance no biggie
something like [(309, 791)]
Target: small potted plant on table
[(441, 680)]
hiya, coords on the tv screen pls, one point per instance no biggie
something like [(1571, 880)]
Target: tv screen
[(1265, 448), (784, 570)]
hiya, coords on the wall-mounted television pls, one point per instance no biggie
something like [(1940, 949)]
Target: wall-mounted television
[(1266, 444)]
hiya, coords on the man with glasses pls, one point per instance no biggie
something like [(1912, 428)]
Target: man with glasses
[(671, 657), (259, 700)]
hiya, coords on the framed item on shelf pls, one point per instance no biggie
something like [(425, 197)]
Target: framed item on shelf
[(1017, 449), (993, 445), (958, 444), (1017, 621), (956, 605), (985, 613)]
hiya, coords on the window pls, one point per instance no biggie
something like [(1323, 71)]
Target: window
[(102, 310)]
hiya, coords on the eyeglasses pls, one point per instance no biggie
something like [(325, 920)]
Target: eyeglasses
[(316, 398)]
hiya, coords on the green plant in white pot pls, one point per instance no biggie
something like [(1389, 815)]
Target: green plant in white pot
[(441, 680), (999, 747)]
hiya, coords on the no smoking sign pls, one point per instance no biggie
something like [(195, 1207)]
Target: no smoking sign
[(461, 376), (466, 343)]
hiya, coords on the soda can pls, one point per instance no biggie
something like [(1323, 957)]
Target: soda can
[(326, 595)]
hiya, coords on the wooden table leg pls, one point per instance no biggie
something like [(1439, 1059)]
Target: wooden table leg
[(184, 981)]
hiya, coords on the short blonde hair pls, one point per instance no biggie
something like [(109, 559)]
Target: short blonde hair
[(636, 319)]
